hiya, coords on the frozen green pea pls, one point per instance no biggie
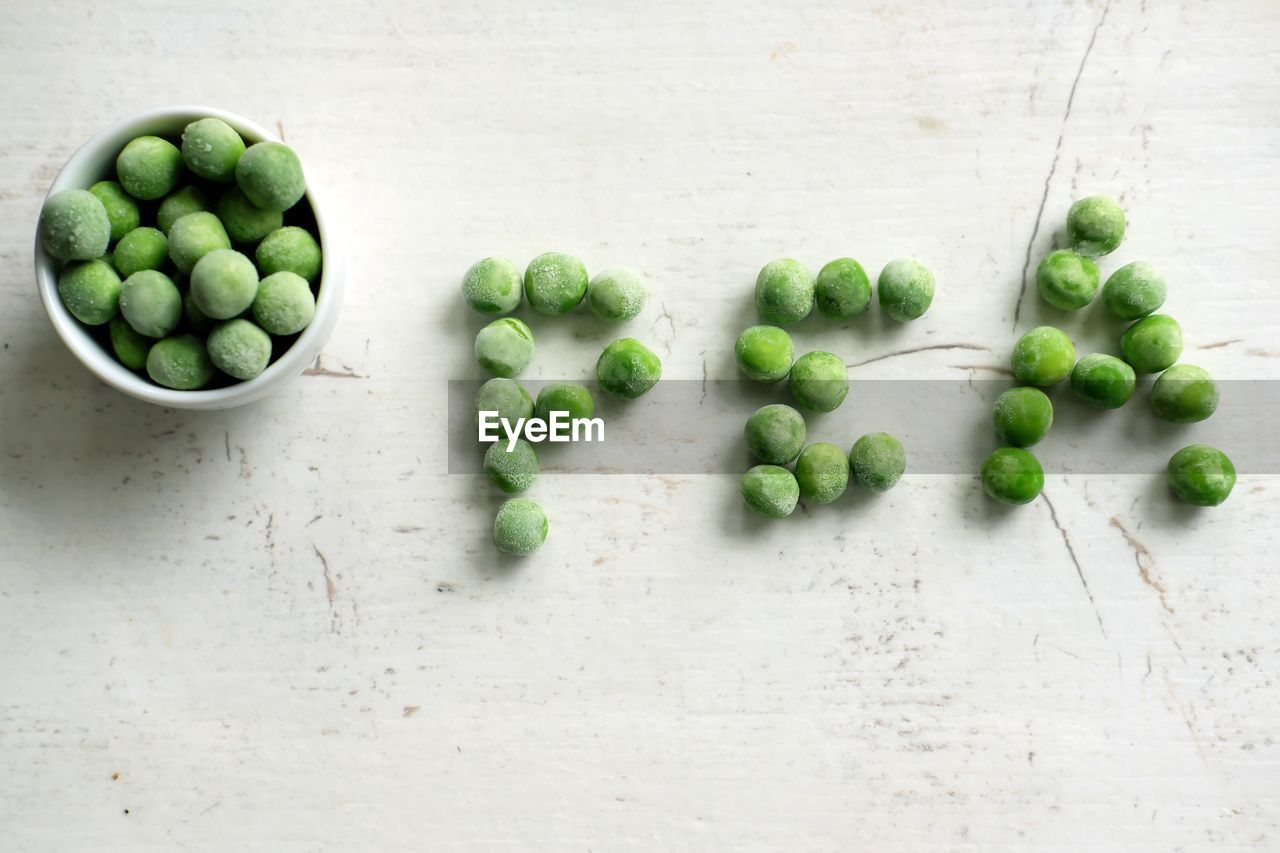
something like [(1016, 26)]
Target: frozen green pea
[(178, 204), (493, 286), (511, 470), (616, 295), (819, 381), (194, 236), (239, 349), (1012, 475), (627, 368), (74, 226), (90, 290), (506, 398), (224, 284), (122, 211), (784, 292), (554, 283), (1103, 381), (842, 289), (1152, 344), (180, 362), (291, 249), (1067, 281), (1134, 290), (764, 353), (906, 289), (520, 527), (569, 397), (246, 222), (1043, 356), (770, 490), (1023, 416), (284, 304), (150, 301), (1095, 225), (822, 472), (1201, 475), (149, 167), (877, 461), (1184, 394), (271, 175), (197, 321), (142, 248), (775, 434), (504, 347), (211, 148), (130, 347)]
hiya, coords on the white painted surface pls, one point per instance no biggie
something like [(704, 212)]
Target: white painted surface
[(283, 628)]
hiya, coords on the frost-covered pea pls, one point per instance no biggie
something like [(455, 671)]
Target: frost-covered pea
[(270, 174), (520, 527), (122, 210), (1023, 416), (150, 301), (770, 490), (569, 397), (1134, 290), (1201, 475), (504, 347), (819, 381), (877, 461), (775, 434), (1012, 475), (290, 248), (764, 353), (224, 283), (178, 204), (822, 472), (784, 292), (180, 362), (149, 167), (627, 368), (511, 470), (1103, 381), (284, 304), (1043, 356), (74, 226), (555, 283), (142, 248), (1067, 281), (493, 286), (90, 290), (1095, 225), (616, 295), (842, 289), (211, 148), (245, 221), (194, 236), (506, 397), (905, 288), (130, 347), (1184, 394), (239, 349), (1152, 344)]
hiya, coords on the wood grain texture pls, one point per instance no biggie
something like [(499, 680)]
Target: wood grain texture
[(283, 627)]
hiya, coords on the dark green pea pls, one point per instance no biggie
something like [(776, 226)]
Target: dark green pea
[(1095, 225), (819, 381), (822, 472), (842, 289), (1184, 394), (770, 490), (775, 434), (1133, 291), (1043, 356), (1103, 381), (877, 461), (1012, 475), (1066, 280), (130, 347), (1152, 344), (1023, 416), (90, 290), (141, 249), (764, 353), (569, 397), (627, 369), (122, 211), (1201, 475)]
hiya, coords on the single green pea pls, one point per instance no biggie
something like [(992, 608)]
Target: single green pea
[(291, 249), (520, 527), (239, 349), (505, 397), (211, 148), (784, 292), (1184, 394), (877, 461), (493, 286), (1067, 281), (568, 397), (627, 368), (555, 283), (822, 472), (130, 347), (1103, 381), (224, 283), (842, 289), (511, 470), (150, 301), (775, 434), (284, 304), (142, 248), (90, 290), (1134, 290), (504, 347), (149, 167), (194, 236), (616, 295), (1201, 475), (1095, 225), (770, 490), (1152, 344), (906, 289), (1023, 416), (246, 222), (122, 211), (197, 321), (764, 353), (1012, 475), (1043, 356), (180, 362), (271, 176), (819, 381), (74, 226), (178, 204)]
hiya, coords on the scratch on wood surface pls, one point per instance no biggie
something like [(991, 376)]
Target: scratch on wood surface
[(410, 710), (1186, 711), (330, 589), (1221, 344), (1145, 563), (318, 369), (914, 350), (1003, 371), (1071, 552)]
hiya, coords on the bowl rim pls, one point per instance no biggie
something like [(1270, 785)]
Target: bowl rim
[(102, 363)]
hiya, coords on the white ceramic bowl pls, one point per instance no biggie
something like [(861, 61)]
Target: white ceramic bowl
[(95, 161)]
